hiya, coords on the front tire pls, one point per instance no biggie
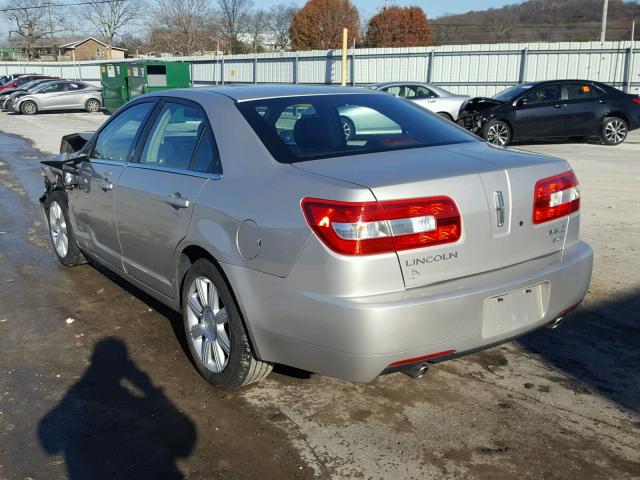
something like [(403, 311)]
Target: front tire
[(614, 131), (445, 115), (63, 240), (92, 105), (216, 336), (29, 107), (497, 132)]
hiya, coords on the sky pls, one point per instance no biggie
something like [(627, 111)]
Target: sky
[(368, 8), (433, 8)]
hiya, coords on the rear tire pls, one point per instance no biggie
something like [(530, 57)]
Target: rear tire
[(92, 105), (218, 342), (63, 240), (348, 127), (29, 107), (614, 131), (446, 116)]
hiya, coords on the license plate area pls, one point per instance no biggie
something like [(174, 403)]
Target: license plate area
[(513, 310)]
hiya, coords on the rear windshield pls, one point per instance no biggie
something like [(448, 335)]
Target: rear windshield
[(297, 129)]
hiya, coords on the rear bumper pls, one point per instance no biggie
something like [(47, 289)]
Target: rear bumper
[(357, 338)]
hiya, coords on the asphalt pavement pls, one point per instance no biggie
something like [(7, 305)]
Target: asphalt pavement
[(95, 381)]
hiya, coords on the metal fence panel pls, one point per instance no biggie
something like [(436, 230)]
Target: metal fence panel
[(478, 70)]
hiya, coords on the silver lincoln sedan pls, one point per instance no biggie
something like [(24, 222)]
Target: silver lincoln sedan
[(282, 240)]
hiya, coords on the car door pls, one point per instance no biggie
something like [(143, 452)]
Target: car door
[(539, 112), (156, 193), (52, 96), (584, 105), (73, 95), (93, 203)]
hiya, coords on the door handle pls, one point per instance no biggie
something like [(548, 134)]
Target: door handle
[(560, 105), (176, 200), (106, 185)]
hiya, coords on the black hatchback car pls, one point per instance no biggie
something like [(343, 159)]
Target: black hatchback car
[(553, 109)]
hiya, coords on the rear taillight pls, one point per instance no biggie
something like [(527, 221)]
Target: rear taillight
[(555, 197), (366, 228), (636, 100)]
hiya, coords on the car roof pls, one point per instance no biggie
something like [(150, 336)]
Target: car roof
[(245, 93)]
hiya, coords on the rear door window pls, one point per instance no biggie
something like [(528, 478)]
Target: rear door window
[(172, 140), (582, 91)]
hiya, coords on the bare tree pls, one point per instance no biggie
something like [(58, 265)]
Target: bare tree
[(258, 26), (110, 18), (281, 16), (234, 15), (182, 27), (31, 22)]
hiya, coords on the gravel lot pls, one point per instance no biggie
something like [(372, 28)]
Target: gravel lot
[(556, 404)]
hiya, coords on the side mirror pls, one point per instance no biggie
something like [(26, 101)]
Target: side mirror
[(521, 102)]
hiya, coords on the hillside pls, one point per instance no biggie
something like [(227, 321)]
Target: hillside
[(539, 21)]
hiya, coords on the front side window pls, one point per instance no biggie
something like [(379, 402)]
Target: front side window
[(56, 87), (174, 136), (545, 93), (323, 126), (116, 139)]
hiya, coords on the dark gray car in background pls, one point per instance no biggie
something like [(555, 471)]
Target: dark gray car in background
[(283, 241)]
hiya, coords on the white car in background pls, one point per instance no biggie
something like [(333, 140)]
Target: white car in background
[(436, 99)]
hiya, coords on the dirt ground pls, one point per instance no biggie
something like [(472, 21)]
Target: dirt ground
[(94, 372)]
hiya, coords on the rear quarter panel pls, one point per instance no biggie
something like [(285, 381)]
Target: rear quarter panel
[(253, 186)]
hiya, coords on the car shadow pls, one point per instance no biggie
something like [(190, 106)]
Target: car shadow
[(115, 424), (597, 350)]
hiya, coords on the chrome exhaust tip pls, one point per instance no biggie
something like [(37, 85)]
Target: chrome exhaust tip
[(416, 371), (552, 325)]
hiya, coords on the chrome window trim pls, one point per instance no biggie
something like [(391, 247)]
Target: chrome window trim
[(180, 171), (101, 161)]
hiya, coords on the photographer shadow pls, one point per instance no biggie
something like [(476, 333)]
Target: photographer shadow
[(115, 424)]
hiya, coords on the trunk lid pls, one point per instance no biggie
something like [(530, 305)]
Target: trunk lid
[(493, 189)]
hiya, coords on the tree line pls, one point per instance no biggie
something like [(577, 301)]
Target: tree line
[(191, 27)]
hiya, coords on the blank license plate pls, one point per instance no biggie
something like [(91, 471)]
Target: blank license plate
[(512, 310)]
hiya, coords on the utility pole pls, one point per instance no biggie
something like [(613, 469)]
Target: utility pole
[(54, 46), (345, 45), (603, 32)]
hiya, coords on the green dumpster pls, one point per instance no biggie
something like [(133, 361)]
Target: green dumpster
[(151, 76), (115, 87)]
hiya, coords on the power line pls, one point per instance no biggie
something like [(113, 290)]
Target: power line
[(53, 5)]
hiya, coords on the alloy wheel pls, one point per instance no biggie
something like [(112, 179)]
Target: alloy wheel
[(58, 229), (29, 108), (615, 131), (208, 322), (498, 134), (346, 128), (93, 105)]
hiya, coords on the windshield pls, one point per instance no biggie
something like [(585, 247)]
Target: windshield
[(511, 93), (28, 85), (296, 129)]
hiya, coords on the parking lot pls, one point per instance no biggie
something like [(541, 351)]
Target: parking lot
[(561, 403)]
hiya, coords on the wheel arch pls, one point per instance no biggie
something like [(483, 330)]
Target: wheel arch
[(188, 255), (616, 113)]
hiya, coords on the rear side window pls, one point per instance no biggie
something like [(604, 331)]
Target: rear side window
[(174, 136), (206, 159), (116, 138), (75, 86), (324, 126), (582, 91)]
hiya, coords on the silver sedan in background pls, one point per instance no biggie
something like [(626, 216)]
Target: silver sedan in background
[(58, 95), (431, 97), (283, 241)]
